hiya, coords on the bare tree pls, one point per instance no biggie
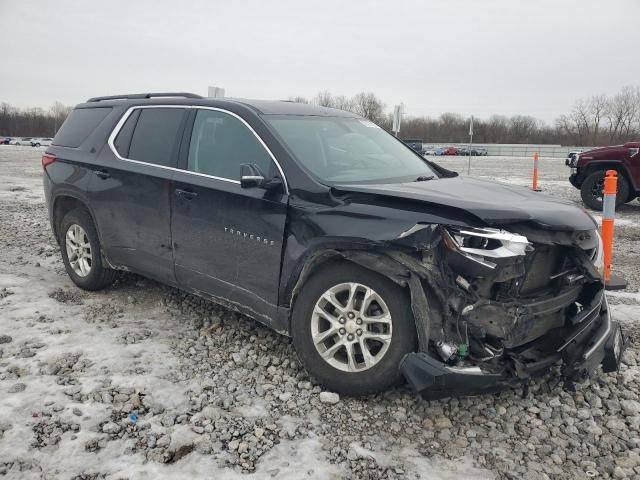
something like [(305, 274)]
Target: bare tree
[(597, 109), (369, 106), (59, 112), (298, 99), (522, 128), (323, 99), (343, 103)]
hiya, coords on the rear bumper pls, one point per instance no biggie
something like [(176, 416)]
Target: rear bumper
[(581, 348)]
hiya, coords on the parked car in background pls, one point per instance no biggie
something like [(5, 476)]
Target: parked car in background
[(479, 151), (5, 140), (415, 145), (24, 141), (450, 151), (41, 142), (377, 262), (432, 151), (463, 151), (588, 172)]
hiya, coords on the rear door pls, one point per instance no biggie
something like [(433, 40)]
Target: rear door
[(130, 191), (227, 239)]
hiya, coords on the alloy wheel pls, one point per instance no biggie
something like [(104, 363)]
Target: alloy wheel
[(351, 327), (78, 250)]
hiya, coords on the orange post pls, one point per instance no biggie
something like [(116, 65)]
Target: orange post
[(535, 173), (608, 215)]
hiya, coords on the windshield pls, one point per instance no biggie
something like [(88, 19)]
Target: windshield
[(349, 150)]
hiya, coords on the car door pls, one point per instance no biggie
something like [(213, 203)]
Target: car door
[(227, 239), (130, 191)]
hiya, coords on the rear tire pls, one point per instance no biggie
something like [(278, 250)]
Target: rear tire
[(387, 337), (591, 190), (81, 251)]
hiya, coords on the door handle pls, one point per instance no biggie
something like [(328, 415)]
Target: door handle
[(186, 194), (103, 174)]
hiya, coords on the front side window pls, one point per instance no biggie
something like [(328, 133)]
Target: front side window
[(155, 135), (341, 150), (220, 143)]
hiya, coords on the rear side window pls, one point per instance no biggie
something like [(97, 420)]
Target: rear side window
[(79, 125), (220, 143), (155, 135)]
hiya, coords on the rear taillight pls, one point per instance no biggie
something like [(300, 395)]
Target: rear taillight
[(47, 159)]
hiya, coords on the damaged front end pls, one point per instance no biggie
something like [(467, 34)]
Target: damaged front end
[(504, 306)]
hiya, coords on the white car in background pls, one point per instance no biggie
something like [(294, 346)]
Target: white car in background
[(24, 141), (41, 142), (432, 150)]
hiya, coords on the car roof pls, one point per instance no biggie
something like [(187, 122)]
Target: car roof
[(262, 107)]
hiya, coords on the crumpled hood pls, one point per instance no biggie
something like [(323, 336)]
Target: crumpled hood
[(495, 203)]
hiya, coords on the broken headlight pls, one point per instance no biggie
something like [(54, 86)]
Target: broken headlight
[(486, 246), (598, 255)]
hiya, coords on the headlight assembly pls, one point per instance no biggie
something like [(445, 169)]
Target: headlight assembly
[(486, 245)]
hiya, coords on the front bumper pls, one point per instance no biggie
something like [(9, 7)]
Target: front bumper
[(582, 347)]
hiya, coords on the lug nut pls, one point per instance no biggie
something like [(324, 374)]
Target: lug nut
[(342, 331), (350, 337), (341, 320), (359, 331), (359, 321), (350, 315)]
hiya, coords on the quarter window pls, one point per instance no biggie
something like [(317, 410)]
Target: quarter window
[(79, 125), (155, 136), (123, 139), (220, 143)]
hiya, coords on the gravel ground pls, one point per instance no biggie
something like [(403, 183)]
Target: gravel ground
[(142, 381)]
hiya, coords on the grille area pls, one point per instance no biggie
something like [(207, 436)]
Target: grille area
[(545, 261)]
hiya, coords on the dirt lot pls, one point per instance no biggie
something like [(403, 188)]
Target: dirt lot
[(142, 381)]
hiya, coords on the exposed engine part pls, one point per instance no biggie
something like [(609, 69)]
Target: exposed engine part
[(467, 309), (490, 352), (460, 280), (447, 351)]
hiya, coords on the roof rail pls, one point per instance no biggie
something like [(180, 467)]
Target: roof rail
[(145, 95)]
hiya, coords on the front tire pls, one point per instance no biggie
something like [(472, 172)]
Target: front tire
[(81, 251), (351, 328), (591, 190)]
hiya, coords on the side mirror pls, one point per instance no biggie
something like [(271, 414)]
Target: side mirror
[(251, 176)]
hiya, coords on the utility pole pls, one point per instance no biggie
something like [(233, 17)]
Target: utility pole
[(397, 119), (470, 144)]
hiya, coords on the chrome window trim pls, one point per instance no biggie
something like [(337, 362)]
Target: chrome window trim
[(127, 114)]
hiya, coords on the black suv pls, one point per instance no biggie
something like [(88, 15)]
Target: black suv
[(321, 225)]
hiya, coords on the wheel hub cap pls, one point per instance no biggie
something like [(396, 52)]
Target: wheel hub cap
[(351, 326)]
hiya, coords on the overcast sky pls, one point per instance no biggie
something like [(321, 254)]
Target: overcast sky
[(533, 57)]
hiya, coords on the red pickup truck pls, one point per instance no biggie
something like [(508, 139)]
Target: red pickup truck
[(588, 170)]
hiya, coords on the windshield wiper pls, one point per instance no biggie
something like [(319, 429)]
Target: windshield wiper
[(424, 178)]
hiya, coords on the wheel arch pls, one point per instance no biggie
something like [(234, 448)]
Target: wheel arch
[(378, 262), (616, 165), (62, 204)]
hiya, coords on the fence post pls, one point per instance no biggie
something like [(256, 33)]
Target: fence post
[(535, 172), (611, 282)]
